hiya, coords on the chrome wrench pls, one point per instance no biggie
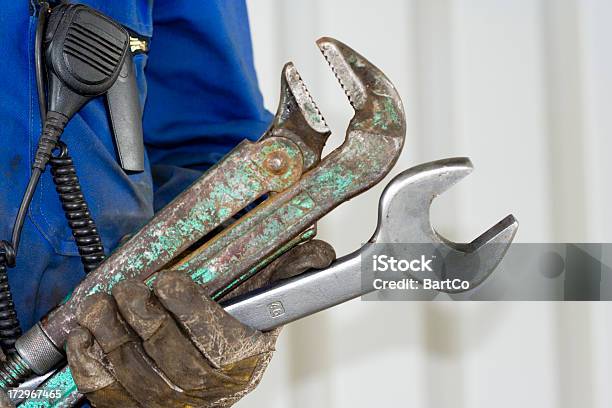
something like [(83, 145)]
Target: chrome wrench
[(403, 218)]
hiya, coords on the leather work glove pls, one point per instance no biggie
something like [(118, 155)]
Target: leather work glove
[(174, 346)]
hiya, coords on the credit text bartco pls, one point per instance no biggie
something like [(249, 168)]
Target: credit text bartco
[(384, 263)]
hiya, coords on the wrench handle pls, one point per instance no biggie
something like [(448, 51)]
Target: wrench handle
[(301, 296)]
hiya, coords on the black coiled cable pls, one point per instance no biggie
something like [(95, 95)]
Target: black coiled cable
[(75, 207), (9, 323)]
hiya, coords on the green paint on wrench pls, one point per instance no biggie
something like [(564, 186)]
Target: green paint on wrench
[(60, 384)]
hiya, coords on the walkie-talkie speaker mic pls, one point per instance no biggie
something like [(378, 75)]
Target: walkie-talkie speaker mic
[(87, 54), (84, 51)]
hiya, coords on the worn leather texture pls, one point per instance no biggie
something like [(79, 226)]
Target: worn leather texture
[(174, 346)]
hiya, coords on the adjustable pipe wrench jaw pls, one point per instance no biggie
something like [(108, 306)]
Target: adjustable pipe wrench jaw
[(404, 218), (379, 112), (298, 118), (378, 106)]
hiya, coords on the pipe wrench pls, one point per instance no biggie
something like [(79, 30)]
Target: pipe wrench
[(286, 161), (403, 218)]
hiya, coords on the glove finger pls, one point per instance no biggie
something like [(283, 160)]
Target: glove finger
[(162, 338), (98, 313), (93, 379), (129, 363), (315, 254), (85, 359), (220, 337)]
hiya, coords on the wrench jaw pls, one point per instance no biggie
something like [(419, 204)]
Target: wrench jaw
[(404, 218), (298, 118), (477, 260), (403, 213), (375, 135), (377, 104)]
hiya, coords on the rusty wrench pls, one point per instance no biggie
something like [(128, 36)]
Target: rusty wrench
[(403, 218)]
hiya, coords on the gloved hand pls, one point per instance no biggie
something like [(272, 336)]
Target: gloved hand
[(174, 347)]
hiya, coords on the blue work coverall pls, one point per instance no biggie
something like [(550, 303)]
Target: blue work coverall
[(200, 96)]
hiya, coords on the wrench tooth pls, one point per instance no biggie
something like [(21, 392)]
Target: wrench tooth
[(335, 54), (302, 96)]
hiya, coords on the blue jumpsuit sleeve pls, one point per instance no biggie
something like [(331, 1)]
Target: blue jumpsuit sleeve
[(203, 96)]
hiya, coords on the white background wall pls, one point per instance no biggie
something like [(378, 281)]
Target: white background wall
[(522, 87)]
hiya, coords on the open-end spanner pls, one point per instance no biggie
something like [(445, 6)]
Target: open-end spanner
[(403, 218)]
